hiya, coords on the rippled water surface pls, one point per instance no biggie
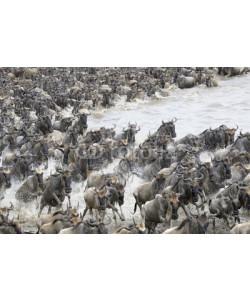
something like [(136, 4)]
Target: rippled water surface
[(196, 109)]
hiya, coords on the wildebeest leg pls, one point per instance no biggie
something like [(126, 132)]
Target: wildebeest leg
[(37, 202), (114, 217), (170, 223), (225, 218), (70, 206), (137, 202), (85, 211), (114, 209), (122, 215), (91, 214), (98, 218), (41, 208), (185, 210), (56, 198), (49, 209), (202, 196), (197, 207), (214, 225), (102, 214)]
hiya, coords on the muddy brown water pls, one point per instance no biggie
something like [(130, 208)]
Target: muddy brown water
[(196, 109)]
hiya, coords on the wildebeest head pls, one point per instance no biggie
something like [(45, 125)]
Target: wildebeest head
[(168, 128), (192, 187), (221, 169), (174, 201), (100, 228), (160, 179), (7, 177), (66, 175), (83, 120), (45, 147), (119, 187), (39, 174), (129, 133), (48, 123), (202, 222), (229, 135)]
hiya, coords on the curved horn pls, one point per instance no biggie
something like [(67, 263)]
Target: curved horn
[(114, 127), (199, 178), (185, 179), (236, 127), (174, 120)]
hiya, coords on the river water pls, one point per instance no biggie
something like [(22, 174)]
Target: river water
[(196, 109)]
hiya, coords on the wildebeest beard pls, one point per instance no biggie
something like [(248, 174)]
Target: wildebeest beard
[(194, 192), (102, 202), (40, 181), (7, 178)]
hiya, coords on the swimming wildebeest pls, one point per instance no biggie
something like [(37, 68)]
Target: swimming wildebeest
[(57, 187)]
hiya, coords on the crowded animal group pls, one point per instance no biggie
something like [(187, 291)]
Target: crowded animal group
[(43, 117)]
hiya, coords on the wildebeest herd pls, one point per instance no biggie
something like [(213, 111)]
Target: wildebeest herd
[(44, 115)]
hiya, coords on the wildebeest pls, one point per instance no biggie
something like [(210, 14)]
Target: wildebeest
[(159, 210), (132, 228), (224, 208), (190, 190), (220, 137), (129, 134), (40, 150), (185, 82), (58, 215), (96, 199), (44, 125), (243, 228), (32, 187), (12, 227), (5, 181), (56, 188), (244, 197), (87, 228), (167, 128), (192, 225), (63, 124), (81, 123), (57, 225), (218, 173), (4, 213), (115, 195), (114, 187), (147, 191)]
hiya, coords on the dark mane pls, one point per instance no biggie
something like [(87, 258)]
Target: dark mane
[(183, 224), (59, 212), (56, 221)]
